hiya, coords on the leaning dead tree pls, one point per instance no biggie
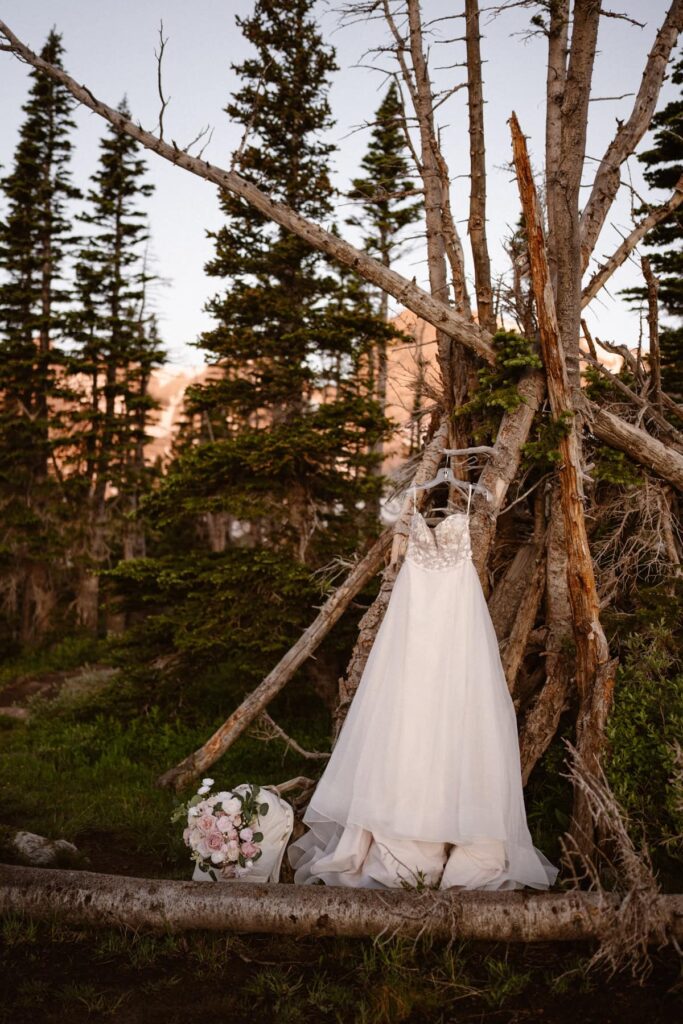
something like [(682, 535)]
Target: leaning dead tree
[(556, 571)]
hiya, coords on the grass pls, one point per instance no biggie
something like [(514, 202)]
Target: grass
[(83, 767), (66, 973)]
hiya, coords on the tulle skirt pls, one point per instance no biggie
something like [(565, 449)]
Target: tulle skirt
[(424, 782)]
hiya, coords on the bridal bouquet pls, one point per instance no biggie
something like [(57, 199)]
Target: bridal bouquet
[(222, 829)]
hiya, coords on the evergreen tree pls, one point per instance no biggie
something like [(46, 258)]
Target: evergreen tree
[(384, 194), (117, 348), (292, 408), (386, 187), (35, 237), (664, 166), (275, 463)]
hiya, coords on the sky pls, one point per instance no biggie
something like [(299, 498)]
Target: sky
[(110, 46)]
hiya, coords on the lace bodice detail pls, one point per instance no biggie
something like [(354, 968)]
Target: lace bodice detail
[(443, 547)]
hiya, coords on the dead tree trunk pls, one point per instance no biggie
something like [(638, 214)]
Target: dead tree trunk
[(542, 718), (653, 331), (476, 224), (594, 670), (92, 900)]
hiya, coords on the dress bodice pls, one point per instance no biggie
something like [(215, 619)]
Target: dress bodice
[(443, 547)]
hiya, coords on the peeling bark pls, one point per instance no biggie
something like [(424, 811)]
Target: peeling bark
[(594, 669), (108, 901)]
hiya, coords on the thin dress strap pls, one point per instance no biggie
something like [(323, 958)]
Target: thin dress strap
[(414, 500), (469, 498)]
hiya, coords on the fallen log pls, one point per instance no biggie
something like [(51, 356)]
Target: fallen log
[(84, 898), (255, 702)]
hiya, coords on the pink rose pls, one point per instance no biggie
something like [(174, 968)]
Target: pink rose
[(214, 841), (247, 835), (249, 849), (224, 823), (206, 823)]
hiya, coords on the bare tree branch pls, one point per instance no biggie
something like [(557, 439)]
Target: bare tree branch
[(656, 216), (629, 133)]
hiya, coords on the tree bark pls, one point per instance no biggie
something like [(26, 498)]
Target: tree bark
[(629, 133), (653, 331), (556, 77), (476, 224), (594, 670), (87, 899), (637, 444), (540, 723), (569, 168), (252, 706)]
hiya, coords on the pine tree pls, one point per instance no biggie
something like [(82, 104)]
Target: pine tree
[(384, 195), (386, 187), (117, 346), (664, 166), (35, 237), (275, 464), (292, 408)]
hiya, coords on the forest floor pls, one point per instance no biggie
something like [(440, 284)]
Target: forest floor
[(81, 763)]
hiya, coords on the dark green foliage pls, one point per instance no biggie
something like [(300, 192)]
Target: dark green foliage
[(613, 467), (543, 451), (292, 332), (646, 721), (280, 442), (35, 236), (498, 384), (197, 606), (386, 187), (116, 338)]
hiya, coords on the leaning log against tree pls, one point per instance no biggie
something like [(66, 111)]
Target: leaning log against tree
[(258, 699), (594, 669), (86, 899)]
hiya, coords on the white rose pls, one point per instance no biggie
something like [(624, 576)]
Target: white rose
[(233, 806), (207, 782), (218, 857), (203, 789), (193, 812), (224, 796)]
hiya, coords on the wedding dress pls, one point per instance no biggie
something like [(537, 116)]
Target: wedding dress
[(424, 783)]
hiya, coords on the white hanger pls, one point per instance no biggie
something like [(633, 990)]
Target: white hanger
[(445, 475)]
